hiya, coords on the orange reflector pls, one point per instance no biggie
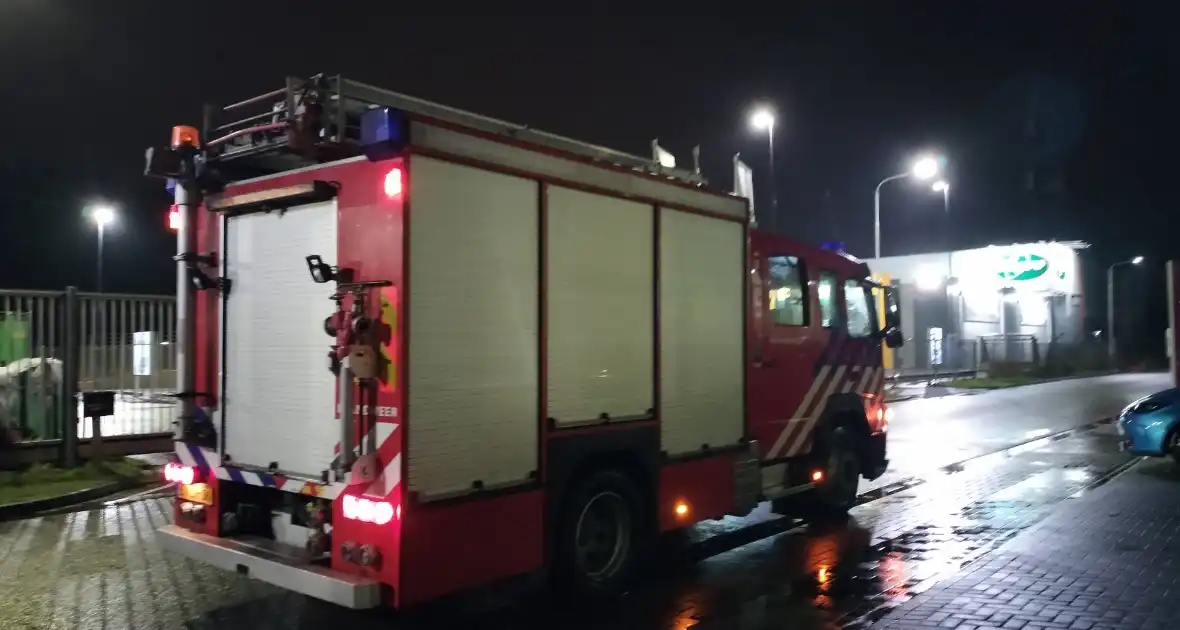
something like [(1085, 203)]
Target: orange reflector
[(817, 475), (184, 135), (681, 508)]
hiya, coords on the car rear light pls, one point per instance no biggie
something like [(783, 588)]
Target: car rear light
[(178, 473), (369, 511)]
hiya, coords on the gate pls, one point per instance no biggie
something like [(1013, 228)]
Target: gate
[(57, 345)]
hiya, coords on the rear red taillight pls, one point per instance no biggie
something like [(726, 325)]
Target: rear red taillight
[(174, 218), (369, 511), (393, 183), (178, 473)]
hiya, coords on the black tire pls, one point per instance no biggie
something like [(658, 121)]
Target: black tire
[(604, 536), (840, 462), (1172, 445)]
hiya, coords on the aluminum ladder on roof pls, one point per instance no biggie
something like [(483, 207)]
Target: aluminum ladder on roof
[(346, 100)]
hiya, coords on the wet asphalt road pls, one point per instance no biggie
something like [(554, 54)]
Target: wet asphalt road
[(103, 568)]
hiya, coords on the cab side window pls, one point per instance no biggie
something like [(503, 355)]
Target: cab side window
[(857, 311), (787, 291), (825, 290)]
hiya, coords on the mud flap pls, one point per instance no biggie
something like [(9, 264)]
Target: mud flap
[(747, 481)]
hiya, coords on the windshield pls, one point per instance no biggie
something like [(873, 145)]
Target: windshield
[(858, 306)]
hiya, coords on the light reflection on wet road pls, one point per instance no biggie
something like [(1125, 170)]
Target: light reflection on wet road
[(104, 569), (930, 433)]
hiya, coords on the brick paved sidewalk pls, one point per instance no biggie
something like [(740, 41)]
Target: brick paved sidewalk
[(1108, 559)]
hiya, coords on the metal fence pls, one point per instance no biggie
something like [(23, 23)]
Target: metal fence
[(1009, 348), (57, 345), (1000, 354)]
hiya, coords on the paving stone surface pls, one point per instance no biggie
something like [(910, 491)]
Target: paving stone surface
[(1105, 559)]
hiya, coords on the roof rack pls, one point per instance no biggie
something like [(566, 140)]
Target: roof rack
[(318, 119)]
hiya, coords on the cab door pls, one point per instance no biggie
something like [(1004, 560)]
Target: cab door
[(787, 339)]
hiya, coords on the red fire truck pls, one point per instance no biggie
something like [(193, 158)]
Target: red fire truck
[(547, 353)]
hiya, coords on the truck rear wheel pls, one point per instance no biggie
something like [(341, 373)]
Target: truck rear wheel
[(603, 535)]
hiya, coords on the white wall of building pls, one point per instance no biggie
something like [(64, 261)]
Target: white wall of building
[(1026, 267), (997, 289)]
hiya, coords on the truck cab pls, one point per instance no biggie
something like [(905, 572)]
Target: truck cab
[(816, 327)]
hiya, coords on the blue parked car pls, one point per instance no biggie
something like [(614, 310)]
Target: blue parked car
[(1151, 425)]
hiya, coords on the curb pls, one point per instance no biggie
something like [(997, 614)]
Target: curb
[(1056, 379), (28, 509), (902, 485)]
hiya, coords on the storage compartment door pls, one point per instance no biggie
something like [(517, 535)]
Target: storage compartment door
[(601, 301), (473, 328), (702, 309), (279, 397)]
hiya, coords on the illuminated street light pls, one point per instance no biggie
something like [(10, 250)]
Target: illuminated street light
[(924, 167), (1111, 345), (763, 120), (944, 187), (101, 215)]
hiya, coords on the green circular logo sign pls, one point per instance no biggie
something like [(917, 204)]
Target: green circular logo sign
[(1023, 267)]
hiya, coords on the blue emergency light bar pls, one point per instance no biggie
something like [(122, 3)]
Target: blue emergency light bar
[(833, 246), (384, 133)]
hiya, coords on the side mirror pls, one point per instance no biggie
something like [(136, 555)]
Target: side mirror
[(892, 309), (894, 338)]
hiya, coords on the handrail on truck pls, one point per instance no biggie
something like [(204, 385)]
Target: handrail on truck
[(339, 104)]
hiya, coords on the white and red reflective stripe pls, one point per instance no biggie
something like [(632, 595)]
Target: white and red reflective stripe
[(865, 378), (816, 384), (388, 480), (794, 435), (385, 484), (804, 432)]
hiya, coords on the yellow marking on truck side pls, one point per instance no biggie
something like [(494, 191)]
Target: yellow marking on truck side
[(389, 318)]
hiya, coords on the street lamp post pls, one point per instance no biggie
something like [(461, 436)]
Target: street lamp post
[(1111, 343), (923, 168), (763, 119), (102, 216), (944, 187)]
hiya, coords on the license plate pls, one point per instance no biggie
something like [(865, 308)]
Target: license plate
[(197, 493)]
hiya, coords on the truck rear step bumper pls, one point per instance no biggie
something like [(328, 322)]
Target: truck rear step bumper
[(343, 589)]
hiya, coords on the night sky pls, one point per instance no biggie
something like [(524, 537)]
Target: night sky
[(1058, 120)]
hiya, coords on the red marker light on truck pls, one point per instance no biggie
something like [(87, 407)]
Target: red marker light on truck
[(174, 218), (369, 511), (393, 183), (177, 473)]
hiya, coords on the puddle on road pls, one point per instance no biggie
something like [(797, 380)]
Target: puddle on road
[(902, 540)]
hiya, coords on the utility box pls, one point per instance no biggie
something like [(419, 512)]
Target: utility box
[(14, 338)]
